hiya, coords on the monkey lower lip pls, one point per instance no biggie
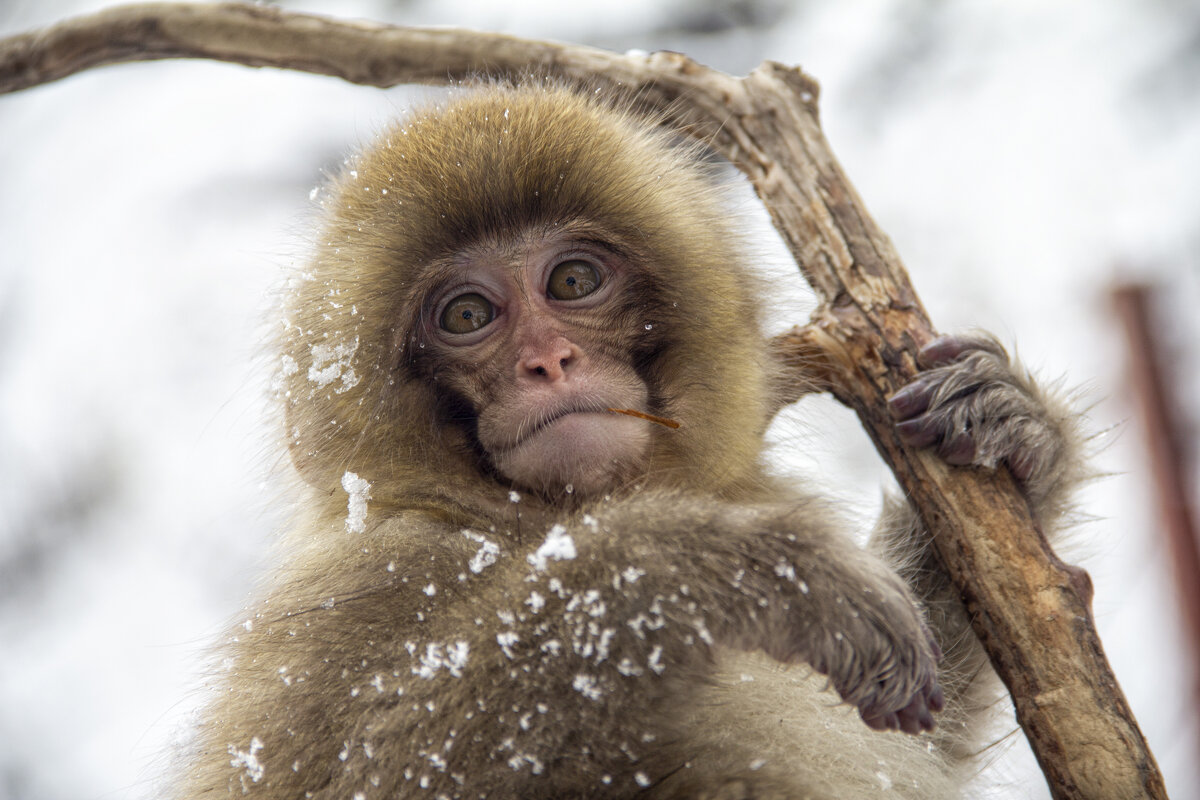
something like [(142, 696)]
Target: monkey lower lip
[(569, 415), (594, 430)]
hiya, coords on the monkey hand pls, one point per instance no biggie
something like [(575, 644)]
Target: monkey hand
[(884, 662), (975, 408), (882, 704), (855, 621)]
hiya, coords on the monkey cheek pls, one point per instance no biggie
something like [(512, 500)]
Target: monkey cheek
[(585, 453)]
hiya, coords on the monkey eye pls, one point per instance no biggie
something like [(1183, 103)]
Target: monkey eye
[(571, 280), (467, 313)]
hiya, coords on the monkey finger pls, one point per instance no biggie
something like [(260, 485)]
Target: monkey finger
[(949, 348), (1021, 464), (913, 717), (881, 722), (920, 431), (934, 647), (936, 699), (943, 350), (958, 449), (926, 719), (909, 724), (911, 400)]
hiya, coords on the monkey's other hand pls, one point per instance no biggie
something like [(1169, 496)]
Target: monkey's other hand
[(905, 693), (871, 640), (973, 407), (913, 718)]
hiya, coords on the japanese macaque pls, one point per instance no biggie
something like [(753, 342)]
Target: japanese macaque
[(525, 379)]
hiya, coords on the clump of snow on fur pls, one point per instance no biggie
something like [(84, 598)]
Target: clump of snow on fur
[(506, 641), (333, 361), (558, 546), (248, 760), (451, 657), (587, 686), (487, 554), (360, 492)]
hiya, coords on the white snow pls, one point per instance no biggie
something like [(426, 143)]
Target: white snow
[(331, 362), (449, 656), (359, 491), (506, 640), (488, 553), (559, 546), (248, 760), (587, 686)]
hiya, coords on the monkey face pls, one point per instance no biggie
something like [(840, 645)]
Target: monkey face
[(528, 331), (491, 276)]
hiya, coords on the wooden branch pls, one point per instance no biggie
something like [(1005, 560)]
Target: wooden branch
[(1031, 611), (263, 36)]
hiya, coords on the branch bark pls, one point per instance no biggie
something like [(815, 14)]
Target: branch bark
[(1031, 611)]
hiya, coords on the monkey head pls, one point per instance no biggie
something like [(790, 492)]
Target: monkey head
[(497, 272)]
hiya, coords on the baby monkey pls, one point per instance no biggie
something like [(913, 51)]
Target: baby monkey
[(498, 587)]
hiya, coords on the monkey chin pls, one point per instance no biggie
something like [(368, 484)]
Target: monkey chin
[(584, 453)]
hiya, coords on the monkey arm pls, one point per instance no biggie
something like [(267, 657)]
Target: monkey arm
[(772, 577), (613, 613), (777, 577), (974, 406), (481, 653)]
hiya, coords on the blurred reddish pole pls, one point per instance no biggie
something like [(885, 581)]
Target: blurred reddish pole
[(1164, 440)]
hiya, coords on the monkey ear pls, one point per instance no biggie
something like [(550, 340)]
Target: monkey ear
[(311, 453), (383, 428), (308, 465), (326, 390)]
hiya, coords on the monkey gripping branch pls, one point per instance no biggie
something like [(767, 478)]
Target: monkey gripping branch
[(1030, 610)]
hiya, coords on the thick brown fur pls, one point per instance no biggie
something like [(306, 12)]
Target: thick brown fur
[(472, 638)]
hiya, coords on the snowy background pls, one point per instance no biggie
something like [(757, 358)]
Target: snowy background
[(1023, 156)]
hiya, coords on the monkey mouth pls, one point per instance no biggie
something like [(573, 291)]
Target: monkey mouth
[(551, 417), (583, 446), (587, 417)]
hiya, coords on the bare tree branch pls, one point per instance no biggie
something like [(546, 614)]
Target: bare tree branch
[(1031, 611), (262, 36)]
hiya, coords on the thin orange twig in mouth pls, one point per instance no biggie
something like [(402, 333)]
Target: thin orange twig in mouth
[(670, 423)]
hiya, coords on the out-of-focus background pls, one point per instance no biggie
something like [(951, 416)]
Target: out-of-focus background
[(1024, 157)]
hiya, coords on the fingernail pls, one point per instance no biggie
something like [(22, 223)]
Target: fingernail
[(902, 403), (940, 350), (916, 432)]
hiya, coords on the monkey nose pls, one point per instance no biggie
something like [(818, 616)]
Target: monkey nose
[(551, 363)]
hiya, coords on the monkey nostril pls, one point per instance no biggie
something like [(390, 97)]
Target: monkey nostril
[(552, 362)]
